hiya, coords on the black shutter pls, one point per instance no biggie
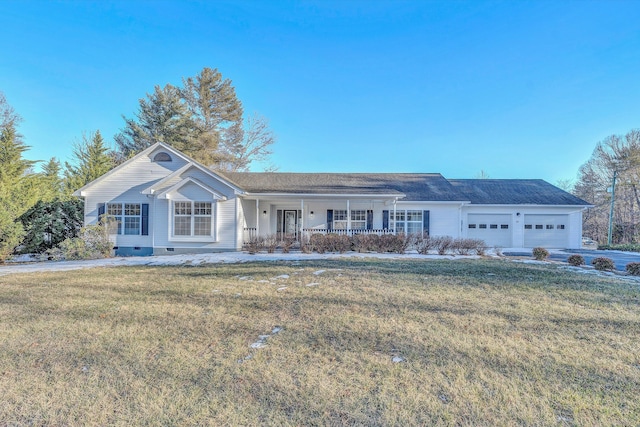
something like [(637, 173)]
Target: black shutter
[(385, 220), (329, 219), (101, 210), (425, 223), (145, 219), (369, 220)]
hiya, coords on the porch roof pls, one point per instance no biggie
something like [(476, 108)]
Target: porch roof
[(408, 186)]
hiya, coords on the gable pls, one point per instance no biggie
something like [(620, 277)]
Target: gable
[(138, 172)]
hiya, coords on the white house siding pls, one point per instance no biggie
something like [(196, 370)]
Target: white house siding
[(224, 222), (117, 187), (444, 218)]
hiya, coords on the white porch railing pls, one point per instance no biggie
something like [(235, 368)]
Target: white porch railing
[(250, 233), (379, 232)]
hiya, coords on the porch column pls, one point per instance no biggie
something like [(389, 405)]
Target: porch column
[(348, 217), (301, 218), (394, 216), (257, 217)]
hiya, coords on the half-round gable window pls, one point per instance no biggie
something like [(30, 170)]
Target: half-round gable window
[(162, 157)]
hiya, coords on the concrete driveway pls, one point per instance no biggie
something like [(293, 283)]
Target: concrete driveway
[(620, 259)]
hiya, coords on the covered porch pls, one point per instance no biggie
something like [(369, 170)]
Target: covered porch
[(299, 217)]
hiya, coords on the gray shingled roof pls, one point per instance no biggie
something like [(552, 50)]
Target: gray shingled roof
[(416, 186), (514, 192)]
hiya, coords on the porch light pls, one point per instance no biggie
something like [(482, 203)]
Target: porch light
[(311, 214), (264, 213)]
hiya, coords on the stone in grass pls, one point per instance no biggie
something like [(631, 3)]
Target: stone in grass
[(258, 344), (313, 284), (319, 272), (244, 278), (282, 288), (445, 398), (282, 276), (398, 359), (276, 329)]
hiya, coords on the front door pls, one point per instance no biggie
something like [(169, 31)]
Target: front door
[(290, 223)]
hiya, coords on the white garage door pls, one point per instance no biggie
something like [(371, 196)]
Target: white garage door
[(547, 231), (494, 229)]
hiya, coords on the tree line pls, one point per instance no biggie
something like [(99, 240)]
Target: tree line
[(202, 118), (619, 155)]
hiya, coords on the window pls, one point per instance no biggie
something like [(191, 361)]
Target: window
[(493, 226), (409, 221), (483, 226), (127, 216), (472, 226), (538, 226), (528, 227), (340, 219), (162, 157), (192, 218), (504, 226), (560, 226), (549, 226), (358, 220)]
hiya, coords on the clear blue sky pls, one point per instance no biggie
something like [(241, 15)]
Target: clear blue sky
[(519, 89)]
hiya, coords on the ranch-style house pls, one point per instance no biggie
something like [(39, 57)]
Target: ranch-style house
[(165, 202)]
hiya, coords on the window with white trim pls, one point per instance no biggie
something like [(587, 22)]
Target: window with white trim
[(192, 219), (358, 219), (339, 219), (127, 218), (407, 221)]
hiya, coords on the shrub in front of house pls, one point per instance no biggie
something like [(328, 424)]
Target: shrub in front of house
[(286, 244), (576, 260), (540, 254), (633, 268), (424, 244), (603, 264), (442, 244), (316, 243), (254, 245), (92, 243), (396, 243), (363, 243), (270, 243), (465, 246), (479, 246)]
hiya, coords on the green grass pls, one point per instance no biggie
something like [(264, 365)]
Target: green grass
[(485, 343)]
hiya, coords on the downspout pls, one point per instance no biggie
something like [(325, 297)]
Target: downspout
[(153, 223), (348, 217)]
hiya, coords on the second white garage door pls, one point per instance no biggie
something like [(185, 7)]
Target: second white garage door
[(547, 231), (494, 229)]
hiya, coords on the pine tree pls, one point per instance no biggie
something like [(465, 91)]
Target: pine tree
[(162, 117), (12, 187), (203, 119), (217, 113), (92, 159)]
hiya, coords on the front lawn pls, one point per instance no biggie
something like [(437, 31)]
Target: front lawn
[(352, 342)]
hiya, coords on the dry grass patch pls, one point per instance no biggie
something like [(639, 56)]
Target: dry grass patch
[(483, 343)]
